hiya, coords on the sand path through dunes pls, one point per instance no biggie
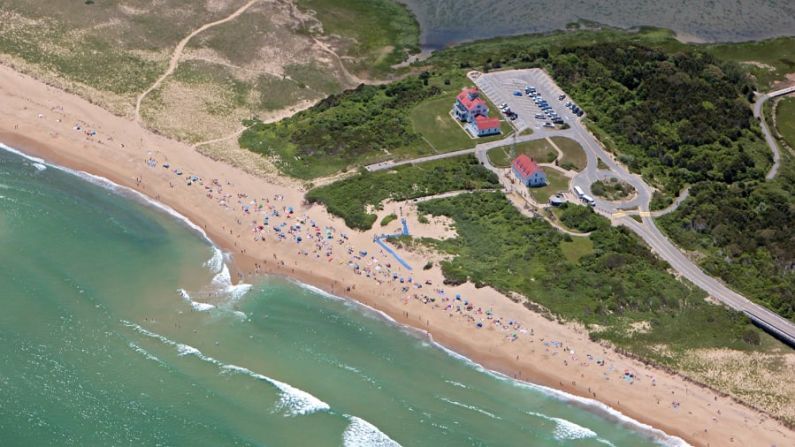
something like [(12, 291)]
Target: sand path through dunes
[(175, 57)]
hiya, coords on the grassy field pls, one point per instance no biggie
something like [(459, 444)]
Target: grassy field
[(371, 35), (432, 120), (539, 150), (573, 154), (556, 182), (785, 120), (769, 60), (576, 248)]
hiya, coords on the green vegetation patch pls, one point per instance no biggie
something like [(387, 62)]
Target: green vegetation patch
[(376, 33), (539, 150), (615, 283), (785, 120), (359, 126), (576, 248), (350, 198), (745, 232), (768, 60), (388, 219), (612, 189)]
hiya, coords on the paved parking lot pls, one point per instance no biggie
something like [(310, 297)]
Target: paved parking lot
[(500, 87)]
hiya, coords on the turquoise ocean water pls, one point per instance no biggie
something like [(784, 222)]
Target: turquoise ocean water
[(119, 327)]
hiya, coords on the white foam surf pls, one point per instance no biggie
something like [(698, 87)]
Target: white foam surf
[(594, 406), (293, 401), (144, 353), (470, 407), (197, 306), (566, 430), (216, 263), (361, 433), (458, 384)]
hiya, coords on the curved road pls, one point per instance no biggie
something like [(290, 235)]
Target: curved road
[(647, 230), (771, 141)]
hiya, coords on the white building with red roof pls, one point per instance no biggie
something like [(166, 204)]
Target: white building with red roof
[(528, 172), (470, 108)]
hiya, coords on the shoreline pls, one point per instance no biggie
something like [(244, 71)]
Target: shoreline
[(591, 405), (55, 142)]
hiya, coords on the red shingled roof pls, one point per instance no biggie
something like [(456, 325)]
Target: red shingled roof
[(484, 123), (525, 165), (470, 103)]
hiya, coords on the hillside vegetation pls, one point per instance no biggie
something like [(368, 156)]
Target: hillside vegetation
[(351, 197)]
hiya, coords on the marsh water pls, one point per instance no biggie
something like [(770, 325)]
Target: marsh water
[(120, 327), (448, 21)]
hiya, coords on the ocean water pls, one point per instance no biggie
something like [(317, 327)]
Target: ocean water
[(444, 22), (119, 327)]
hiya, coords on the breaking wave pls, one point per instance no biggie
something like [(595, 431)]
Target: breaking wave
[(201, 307), (293, 401), (361, 433)]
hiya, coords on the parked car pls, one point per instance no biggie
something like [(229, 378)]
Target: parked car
[(580, 113), (517, 93), (568, 104), (561, 97), (540, 116), (504, 106), (548, 124)]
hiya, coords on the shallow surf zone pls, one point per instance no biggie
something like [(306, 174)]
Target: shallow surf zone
[(217, 264), (594, 406), (292, 401)]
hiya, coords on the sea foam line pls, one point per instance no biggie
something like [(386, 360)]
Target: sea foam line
[(566, 430), (294, 401), (216, 263), (589, 404)]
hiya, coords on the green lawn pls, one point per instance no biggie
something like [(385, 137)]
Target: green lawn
[(432, 120), (576, 248), (556, 182), (573, 153), (785, 120), (539, 150)]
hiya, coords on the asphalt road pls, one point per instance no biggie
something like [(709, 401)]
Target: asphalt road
[(646, 230), (771, 141)]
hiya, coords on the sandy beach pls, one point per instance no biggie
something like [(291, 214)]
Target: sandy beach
[(267, 228)]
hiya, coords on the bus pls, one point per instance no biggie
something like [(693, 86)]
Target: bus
[(588, 199), (579, 191)]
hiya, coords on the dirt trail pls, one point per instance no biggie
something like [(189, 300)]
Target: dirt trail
[(175, 57)]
